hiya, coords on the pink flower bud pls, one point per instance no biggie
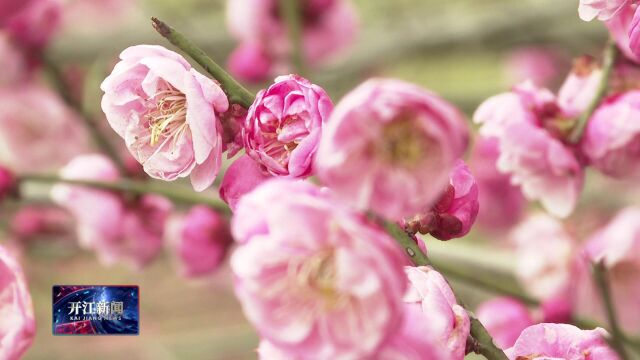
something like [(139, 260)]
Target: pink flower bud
[(580, 86), (18, 326), (611, 140), (504, 318), (617, 245), (7, 183), (232, 124), (562, 342), (455, 212), (314, 277), (447, 321), (241, 177), (544, 255), (200, 239), (557, 309), (284, 126), (249, 62), (167, 113), (31, 22), (389, 147)]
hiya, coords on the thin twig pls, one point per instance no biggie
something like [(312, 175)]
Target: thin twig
[(499, 287), (602, 282), (98, 137), (609, 60), (135, 188), (235, 91)]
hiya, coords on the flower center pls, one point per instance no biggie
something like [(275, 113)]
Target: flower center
[(316, 277), (279, 145), (401, 143), (168, 115)]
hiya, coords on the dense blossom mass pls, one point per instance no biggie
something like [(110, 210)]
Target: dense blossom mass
[(330, 283)]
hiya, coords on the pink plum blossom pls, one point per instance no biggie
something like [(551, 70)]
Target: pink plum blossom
[(249, 62), (37, 130), (601, 9), (505, 318), (314, 277), (31, 22), (529, 124), (455, 212), (621, 18), (241, 177), (611, 140), (167, 113), (200, 240), (502, 203), (284, 125), (409, 342), (447, 321), (617, 245), (561, 342), (544, 256), (105, 223), (328, 26), (17, 323), (389, 147)]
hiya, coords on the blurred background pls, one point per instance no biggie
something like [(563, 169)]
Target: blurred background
[(465, 50)]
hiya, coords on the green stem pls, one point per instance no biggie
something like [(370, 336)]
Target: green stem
[(408, 244), (481, 340), (135, 188), (602, 282), (235, 91), (499, 287), (290, 12), (608, 63), (98, 137)]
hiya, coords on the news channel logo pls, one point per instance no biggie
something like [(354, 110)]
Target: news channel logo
[(96, 310)]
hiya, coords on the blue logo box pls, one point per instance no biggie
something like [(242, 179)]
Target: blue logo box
[(96, 310)]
